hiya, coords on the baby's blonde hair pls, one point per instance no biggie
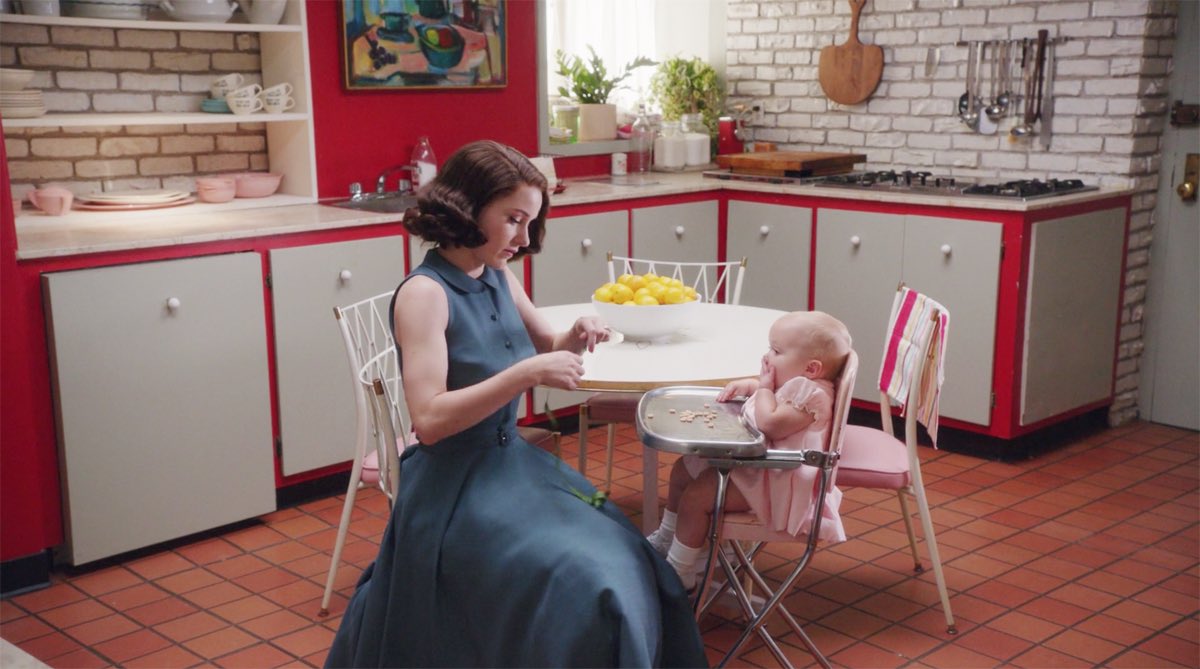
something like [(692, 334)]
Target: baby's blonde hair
[(825, 338)]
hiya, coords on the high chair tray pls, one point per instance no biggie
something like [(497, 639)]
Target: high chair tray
[(690, 420)]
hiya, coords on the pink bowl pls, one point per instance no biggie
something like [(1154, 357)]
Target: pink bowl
[(216, 189), (256, 184)]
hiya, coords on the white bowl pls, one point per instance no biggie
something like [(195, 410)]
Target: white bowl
[(109, 9), (641, 323), (14, 80), (204, 11)]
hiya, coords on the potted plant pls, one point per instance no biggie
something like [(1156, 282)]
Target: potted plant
[(682, 86), (590, 85)]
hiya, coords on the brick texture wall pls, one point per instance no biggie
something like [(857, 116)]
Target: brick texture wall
[(1110, 104), (126, 70)]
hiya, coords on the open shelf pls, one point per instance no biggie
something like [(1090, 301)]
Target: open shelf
[(31, 219), (233, 25), (146, 118)]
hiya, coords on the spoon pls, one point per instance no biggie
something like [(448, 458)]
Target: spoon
[(966, 103), (1033, 92), (995, 111), (1005, 78)]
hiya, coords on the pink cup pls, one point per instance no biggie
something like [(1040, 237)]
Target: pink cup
[(54, 200)]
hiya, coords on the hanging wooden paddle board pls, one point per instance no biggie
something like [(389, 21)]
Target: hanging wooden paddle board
[(850, 72)]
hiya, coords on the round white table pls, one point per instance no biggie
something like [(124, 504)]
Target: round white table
[(723, 343)]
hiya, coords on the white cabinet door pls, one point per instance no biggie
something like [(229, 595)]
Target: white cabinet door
[(162, 400), (858, 265), (680, 232), (572, 264), (957, 263), (316, 401), (1071, 314), (776, 241)]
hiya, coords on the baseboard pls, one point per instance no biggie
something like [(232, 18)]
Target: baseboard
[(313, 489), (24, 574)]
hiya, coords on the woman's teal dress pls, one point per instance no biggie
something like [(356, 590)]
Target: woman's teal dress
[(490, 559)]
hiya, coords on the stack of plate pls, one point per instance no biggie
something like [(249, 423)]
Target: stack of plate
[(130, 200), (15, 100), (215, 106)]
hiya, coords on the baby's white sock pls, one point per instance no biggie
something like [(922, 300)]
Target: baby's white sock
[(661, 538), (683, 559)]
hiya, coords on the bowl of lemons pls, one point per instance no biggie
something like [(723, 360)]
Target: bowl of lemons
[(645, 306)]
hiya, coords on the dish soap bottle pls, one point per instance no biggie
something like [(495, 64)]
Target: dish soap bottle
[(426, 164)]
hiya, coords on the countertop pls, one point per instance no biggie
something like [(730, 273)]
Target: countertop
[(42, 236)]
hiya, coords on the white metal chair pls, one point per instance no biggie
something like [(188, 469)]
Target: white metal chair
[(732, 532), (366, 332), (713, 282), (874, 458)]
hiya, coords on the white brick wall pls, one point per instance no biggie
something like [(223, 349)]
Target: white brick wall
[(1110, 108), (128, 70)]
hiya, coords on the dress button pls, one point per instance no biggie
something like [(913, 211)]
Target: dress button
[(494, 317), (508, 344)]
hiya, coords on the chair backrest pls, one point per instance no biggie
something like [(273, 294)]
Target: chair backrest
[(911, 371), (843, 392), (366, 331), (711, 280), (379, 378)]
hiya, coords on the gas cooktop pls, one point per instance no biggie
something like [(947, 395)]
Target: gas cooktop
[(927, 183)]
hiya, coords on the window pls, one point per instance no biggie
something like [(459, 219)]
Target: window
[(620, 31)]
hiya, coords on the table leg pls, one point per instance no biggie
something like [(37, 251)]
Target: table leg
[(650, 518)]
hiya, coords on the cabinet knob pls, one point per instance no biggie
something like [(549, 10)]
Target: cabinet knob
[(679, 231), (946, 249), (764, 230), (173, 303), (856, 241), (586, 243), (345, 275)]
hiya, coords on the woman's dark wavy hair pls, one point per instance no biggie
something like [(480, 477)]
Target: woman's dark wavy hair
[(447, 211)]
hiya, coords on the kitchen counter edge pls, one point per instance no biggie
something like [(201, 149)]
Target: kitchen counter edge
[(49, 238)]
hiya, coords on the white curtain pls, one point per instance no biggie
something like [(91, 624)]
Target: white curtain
[(619, 31)]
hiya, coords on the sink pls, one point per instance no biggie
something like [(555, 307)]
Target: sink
[(387, 203)]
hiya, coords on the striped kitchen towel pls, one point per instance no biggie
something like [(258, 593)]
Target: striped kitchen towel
[(915, 318)]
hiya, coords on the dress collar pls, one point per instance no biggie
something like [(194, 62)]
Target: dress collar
[(458, 278)]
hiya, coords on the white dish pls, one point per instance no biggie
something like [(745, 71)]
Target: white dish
[(134, 197), (134, 10), (22, 112), (92, 206), (12, 79), (20, 95)]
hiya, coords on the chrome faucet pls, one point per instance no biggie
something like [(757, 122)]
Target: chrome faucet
[(404, 186)]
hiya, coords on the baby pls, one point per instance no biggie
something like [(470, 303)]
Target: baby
[(791, 403)]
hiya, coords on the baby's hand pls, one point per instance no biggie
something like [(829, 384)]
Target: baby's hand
[(738, 388), (766, 376)]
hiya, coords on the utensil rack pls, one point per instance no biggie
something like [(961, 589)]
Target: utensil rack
[(1028, 57)]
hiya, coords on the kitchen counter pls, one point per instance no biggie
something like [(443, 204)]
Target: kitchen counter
[(41, 236)]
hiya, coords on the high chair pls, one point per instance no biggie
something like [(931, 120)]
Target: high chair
[(730, 530), (911, 376), (712, 283)]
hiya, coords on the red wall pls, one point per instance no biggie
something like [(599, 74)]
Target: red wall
[(358, 134)]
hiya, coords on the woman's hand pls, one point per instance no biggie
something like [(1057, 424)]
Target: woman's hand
[(586, 333), (557, 369), (739, 388)]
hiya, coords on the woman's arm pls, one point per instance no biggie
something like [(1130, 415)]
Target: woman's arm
[(421, 315), (583, 335)]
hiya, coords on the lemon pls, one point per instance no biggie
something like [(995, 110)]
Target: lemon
[(630, 303), (624, 279), (646, 301), (637, 282), (621, 294), (673, 295), (641, 292), (604, 293), (675, 282), (690, 293), (657, 290)]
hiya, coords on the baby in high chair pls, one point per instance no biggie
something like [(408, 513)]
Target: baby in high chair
[(791, 403)]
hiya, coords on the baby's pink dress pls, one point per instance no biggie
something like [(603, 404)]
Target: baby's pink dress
[(782, 499)]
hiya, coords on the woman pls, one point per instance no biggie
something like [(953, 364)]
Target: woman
[(494, 555)]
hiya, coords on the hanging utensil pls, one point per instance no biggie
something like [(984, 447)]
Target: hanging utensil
[(933, 58), (1033, 94), (849, 72), (966, 104), (1003, 65), (1047, 105), (987, 124)]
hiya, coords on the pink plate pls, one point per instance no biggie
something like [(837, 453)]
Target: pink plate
[(132, 207)]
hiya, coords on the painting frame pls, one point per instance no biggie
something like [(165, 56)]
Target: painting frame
[(393, 45)]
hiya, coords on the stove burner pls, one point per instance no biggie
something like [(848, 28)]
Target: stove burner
[(925, 182), (1027, 188)]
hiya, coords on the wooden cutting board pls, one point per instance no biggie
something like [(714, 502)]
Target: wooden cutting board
[(790, 163), (850, 72)]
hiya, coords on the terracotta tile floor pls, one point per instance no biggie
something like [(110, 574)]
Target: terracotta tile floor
[(1088, 555)]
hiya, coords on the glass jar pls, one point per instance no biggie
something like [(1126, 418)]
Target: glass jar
[(564, 125), (670, 148), (641, 143), (695, 135)]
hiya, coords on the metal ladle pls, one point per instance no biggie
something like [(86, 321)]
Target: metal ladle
[(1000, 65), (967, 110), (1033, 92)]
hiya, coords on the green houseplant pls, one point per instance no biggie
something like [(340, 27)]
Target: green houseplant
[(689, 86), (590, 84)]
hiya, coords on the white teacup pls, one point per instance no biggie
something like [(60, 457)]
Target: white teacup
[(222, 86), (283, 90), (250, 91), (40, 7), (244, 104), (277, 105)]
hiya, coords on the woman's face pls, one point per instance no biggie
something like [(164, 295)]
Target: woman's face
[(505, 224)]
